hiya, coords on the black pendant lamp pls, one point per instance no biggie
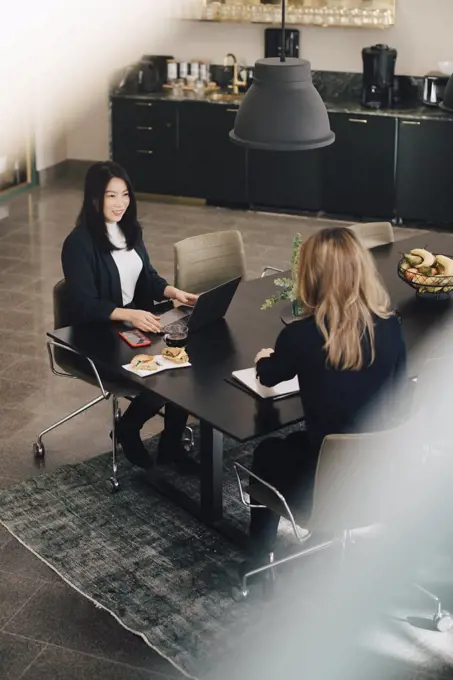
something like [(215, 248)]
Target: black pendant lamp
[(282, 111)]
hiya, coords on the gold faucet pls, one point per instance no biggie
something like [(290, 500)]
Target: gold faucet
[(237, 82)]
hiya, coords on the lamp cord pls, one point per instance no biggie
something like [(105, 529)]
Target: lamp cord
[(283, 50)]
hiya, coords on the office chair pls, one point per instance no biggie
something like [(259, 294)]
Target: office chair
[(208, 260), (346, 500), (74, 366), (373, 234)]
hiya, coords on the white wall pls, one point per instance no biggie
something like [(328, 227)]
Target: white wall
[(88, 130), (422, 36)]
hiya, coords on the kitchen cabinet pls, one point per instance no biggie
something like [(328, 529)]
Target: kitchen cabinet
[(424, 176), (359, 168), (286, 179), (211, 166), (144, 141)]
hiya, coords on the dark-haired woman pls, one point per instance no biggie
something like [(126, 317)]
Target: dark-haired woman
[(109, 277)]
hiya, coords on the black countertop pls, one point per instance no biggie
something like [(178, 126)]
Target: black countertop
[(414, 112)]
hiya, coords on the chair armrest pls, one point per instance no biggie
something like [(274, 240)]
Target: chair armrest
[(51, 344), (287, 514), (268, 268), (237, 466)]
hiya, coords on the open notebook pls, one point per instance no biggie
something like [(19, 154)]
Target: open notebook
[(248, 378)]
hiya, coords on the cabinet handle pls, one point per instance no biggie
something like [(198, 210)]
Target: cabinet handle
[(232, 110), (358, 120), (144, 127), (143, 104), (411, 122), (144, 151)]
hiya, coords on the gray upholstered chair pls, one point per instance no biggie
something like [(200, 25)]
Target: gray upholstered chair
[(208, 260), (349, 498), (373, 234)]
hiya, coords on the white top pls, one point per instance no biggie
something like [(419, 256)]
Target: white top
[(129, 262)]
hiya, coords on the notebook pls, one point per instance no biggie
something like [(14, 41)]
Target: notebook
[(248, 378)]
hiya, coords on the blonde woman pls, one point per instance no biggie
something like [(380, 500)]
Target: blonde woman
[(347, 348)]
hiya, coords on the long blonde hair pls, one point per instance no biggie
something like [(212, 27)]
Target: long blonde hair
[(338, 284)]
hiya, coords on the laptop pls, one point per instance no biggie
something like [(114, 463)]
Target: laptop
[(210, 307)]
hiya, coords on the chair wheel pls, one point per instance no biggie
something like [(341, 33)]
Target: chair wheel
[(238, 594), (39, 451), (443, 622), (113, 485)]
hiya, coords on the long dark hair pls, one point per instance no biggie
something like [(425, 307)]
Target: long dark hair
[(91, 214)]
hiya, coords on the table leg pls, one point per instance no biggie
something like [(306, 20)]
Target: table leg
[(211, 474)]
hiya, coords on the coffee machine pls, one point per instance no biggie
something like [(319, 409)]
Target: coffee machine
[(378, 76)]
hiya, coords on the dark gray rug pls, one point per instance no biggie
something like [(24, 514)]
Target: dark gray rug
[(160, 572), (167, 578)]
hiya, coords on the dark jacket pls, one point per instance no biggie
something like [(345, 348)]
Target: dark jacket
[(336, 401), (93, 281)]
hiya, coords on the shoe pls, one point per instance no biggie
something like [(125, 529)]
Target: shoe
[(132, 446), (176, 454)]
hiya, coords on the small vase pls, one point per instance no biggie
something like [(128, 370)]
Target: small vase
[(296, 308)]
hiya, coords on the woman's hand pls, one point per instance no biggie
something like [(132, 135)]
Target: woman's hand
[(180, 295), (144, 321), (263, 354)]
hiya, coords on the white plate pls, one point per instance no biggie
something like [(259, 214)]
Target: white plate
[(164, 365)]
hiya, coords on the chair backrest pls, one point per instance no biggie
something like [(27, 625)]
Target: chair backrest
[(60, 320), (373, 234), (360, 477), (205, 261), (60, 305)]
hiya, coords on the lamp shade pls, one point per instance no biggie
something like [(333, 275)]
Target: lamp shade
[(282, 111)]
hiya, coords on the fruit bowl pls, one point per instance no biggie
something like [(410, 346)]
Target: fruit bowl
[(427, 281)]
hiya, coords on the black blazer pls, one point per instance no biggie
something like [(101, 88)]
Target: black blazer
[(93, 286), (336, 401)]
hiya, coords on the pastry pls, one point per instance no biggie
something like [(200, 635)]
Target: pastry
[(177, 355), (144, 362)]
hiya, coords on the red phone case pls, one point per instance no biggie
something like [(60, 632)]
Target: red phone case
[(134, 344)]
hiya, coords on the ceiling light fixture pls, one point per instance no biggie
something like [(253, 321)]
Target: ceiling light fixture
[(282, 110)]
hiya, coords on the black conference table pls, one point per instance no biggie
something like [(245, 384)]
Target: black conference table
[(221, 407)]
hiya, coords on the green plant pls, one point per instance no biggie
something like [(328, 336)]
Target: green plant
[(287, 286)]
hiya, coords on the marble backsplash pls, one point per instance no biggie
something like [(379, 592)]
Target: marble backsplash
[(336, 86), (341, 86), (333, 86)]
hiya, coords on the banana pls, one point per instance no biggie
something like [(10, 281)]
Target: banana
[(414, 260), (426, 271), (428, 258), (405, 265), (445, 264)]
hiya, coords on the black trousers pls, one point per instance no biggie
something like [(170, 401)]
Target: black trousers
[(289, 465), (145, 406)]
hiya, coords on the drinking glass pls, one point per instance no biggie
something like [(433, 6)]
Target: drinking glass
[(176, 336)]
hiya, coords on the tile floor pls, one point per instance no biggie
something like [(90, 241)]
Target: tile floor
[(47, 630)]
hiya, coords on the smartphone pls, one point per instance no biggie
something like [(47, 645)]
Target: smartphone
[(135, 338)]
